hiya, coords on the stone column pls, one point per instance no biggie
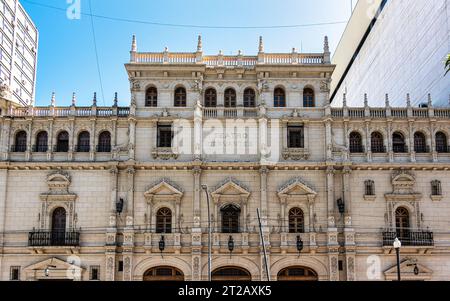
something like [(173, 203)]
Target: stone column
[(330, 197), (433, 140), (72, 139), (346, 182), (411, 140), (29, 139), (5, 137), (368, 143), (110, 265), (264, 171), (130, 196), (390, 148), (111, 231), (92, 140), (197, 171), (198, 129), (328, 139), (50, 140), (132, 138), (332, 233)]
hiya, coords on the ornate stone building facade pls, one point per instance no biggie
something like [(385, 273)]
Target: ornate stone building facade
[(117, 193)]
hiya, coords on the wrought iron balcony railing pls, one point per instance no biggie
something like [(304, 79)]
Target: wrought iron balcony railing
[(83, 148), (409, 238), (103, 148), (54, 239), (41, 148)]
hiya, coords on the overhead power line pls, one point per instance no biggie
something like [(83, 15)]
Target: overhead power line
[(96, 53), (127, 20)]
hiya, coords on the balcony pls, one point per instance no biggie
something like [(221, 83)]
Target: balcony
[(83, 148), (41, 148), (54, 239), (409, 239), (103, 148)]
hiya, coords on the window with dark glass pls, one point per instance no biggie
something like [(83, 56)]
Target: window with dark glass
[(377, 143), (104, 142), (398, 143), (296, 137), (402, 224), (180, 97), (210, 98), (165, 135), (230, 98), (120, 266), (62, 142), (279, 98), (20, 145), (230, 219), (296, 221), (420, 143), (164, 221), (94, 273), (58, 227), (151, 97), (41, 142), (14, 273), (356, 143), (308, 98), (249, 98), (441, 143), (436, 188), (84, 140), (369, 187)]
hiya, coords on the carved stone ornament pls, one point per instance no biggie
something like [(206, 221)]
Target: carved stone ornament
[(164, 153), (325, 86), (295, 154)]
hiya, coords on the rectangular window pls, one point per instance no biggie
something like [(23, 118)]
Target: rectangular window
[(165, 135), (296, 137), (94, 273), (341, 265), (120, 267), (14, 273)]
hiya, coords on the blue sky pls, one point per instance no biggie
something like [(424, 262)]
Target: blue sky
[(67, 60)]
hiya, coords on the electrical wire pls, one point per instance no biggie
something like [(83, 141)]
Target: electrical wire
[(127, 20), (96, 53)]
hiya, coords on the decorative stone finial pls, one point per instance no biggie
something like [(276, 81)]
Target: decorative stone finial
[(53, 101), (115, 99), (134, 44), (220, 52), (199, 44), (239, 52), (294, 50), (166, 49), (74, 98), (430, 101), (94, 101), (387, 100), (344, 99), (366, 100), (408, 100), (261, 45), (326, 47)]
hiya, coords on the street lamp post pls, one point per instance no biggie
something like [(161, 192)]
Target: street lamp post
[(397, 246), (205, 188)]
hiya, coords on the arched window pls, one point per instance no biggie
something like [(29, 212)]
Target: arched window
[(41, 142), (297, 274), (230, 98), (369, 186), (163, 273), (20, 142), (164, 221), (104, 142), (210, 98), (58, 227), (398, 143), (249, 98), (279, 98), (151, 97), (420, 143), (308, 98), (180, 97), (356, 143), (62, 142), (296, 221), (441, 143), (436, 188), (230, 219), (402, 224), (377, 143), (84, 140), (231, 273)]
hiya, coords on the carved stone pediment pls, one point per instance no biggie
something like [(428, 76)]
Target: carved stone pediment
[(164, 189), (407, 272), (57, 269), (230, 189), (296, 189), (403, 184), (58, 184)]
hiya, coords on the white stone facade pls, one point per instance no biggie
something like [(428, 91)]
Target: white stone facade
[(405, 52), (326, 170), (18, 54)]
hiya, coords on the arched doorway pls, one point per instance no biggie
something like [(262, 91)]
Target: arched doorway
[(297, 273), (163, 273), (58, 227), (231, 274)]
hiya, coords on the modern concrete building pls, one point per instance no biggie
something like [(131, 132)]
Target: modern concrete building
[(394, 47), (18, 55), (116, 193)]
